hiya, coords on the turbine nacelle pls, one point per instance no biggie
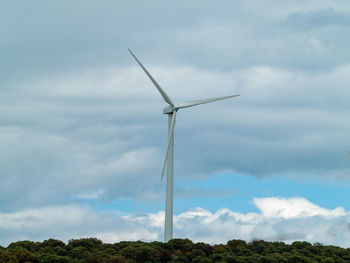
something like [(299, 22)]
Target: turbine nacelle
[(170, 109)]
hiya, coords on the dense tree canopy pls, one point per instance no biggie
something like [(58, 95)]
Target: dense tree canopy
[(92, 250)]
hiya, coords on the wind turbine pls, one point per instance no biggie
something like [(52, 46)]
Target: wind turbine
[(169, 154)]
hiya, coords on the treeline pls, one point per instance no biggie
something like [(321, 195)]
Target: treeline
[(92, 250)]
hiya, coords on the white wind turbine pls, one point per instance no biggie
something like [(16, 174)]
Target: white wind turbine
[(169, 155)]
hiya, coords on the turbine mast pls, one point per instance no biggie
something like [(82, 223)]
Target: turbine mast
[(168, 225)]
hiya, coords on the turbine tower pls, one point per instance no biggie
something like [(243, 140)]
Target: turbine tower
[(169, 154)]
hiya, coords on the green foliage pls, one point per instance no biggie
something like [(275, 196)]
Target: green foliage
[(118, 259), (220, 249), (328, 260), (78, 252), (295, 258), (301, 244), (53, 246), (216, 257), (201, 259), (181, 244), (236, 245), (52, 243), (51, 258), (140, 253), (206, 248), (274, 258), (28, 245), (88, 243), (7, 257), (92, 250), (197, 253), (258, 246)]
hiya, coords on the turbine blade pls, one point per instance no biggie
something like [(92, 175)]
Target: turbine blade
[(172, 126), (162, 92), (198, 102)]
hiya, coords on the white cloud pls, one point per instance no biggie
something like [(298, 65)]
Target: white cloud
[(293, 208), (284, 219), (280, 219)]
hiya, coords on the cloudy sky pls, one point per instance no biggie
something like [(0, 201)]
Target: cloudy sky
[(82, 134)]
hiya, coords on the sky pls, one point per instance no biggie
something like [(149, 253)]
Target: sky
[(83, 137)]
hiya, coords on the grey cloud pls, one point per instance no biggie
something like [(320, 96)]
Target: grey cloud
[(46, 38), (316, 19), (74, 105), (43, 38), (105, 130)]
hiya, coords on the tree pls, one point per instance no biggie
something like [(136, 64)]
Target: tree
[(49, 258), (23, 255), (79, 252), (140, 253), (274, 258), (201, 259), (297, 259), (220, 249), (258, 246), (88, 243), (328, 260), (181, 244), (7, 257), (29, 245), (236, 245), (92, 250), (206, 248), (52, 243)]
